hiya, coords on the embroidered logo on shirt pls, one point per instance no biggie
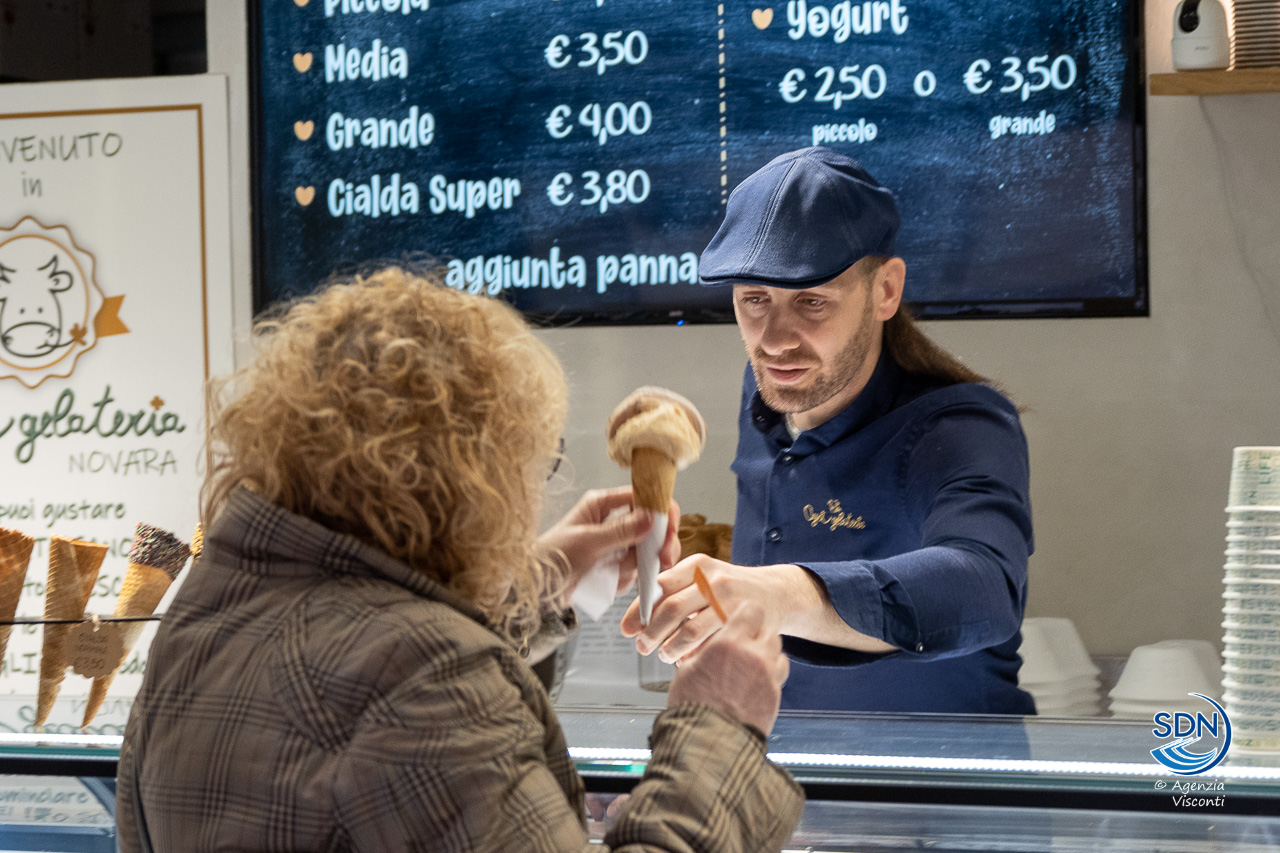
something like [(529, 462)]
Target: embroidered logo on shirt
[(833, 517)]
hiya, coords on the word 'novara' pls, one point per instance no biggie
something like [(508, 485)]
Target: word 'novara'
[(845, 19)]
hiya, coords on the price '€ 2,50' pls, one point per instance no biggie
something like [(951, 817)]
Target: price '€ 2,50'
[(617, 119), (593, 50), (616, 188), (854, 83)]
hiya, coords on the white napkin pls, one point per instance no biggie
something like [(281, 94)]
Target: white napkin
[(598, 587)]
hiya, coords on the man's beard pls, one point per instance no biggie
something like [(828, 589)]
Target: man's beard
[(828, 382)]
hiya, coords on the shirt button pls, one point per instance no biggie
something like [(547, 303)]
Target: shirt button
[(759, 419), (775, 535), (919, 647), (788, 458)]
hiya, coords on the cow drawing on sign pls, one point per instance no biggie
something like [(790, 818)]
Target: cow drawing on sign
[(31, 314)]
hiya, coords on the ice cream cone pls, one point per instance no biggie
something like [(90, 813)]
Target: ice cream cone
[(73, 568), (655, 433), (155, 559), (653, 478), (15, 553)]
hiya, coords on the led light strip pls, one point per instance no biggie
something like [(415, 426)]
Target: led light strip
[(42, 739), (899, 762)]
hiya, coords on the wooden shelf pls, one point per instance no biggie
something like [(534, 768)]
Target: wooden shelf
[(1243, 81)]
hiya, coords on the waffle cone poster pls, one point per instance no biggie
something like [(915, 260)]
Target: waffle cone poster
[(115, 307)]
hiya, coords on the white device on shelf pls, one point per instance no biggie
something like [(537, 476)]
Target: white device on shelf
[(1200, 40)]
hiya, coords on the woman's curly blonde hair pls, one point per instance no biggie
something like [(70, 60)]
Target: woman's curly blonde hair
[(416, 418)]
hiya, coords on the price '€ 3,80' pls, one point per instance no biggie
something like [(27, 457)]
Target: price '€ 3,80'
[(600, 52), (604, 122), (604, 191)]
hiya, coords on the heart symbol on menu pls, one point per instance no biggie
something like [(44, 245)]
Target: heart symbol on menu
[(305, 195), (762, 18), (302, 62), (304, 129)]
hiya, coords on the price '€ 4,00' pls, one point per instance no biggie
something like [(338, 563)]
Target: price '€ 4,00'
[(604, 122), (596, 51), (604, 191)]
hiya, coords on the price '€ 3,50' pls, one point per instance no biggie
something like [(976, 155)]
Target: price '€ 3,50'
[(1039, 75), (604, 122), (596, 51), (604, 191)]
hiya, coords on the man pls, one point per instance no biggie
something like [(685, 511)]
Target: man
[(883, 503)]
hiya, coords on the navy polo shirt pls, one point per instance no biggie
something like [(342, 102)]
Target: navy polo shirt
[(912, 507)]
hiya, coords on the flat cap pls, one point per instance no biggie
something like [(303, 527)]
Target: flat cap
[(800, 221)]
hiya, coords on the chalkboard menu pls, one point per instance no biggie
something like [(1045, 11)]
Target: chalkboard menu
[(575, 156)]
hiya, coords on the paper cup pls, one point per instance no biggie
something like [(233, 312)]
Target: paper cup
[(1255, 477), (1249, 603), (1067, 644), (1252, 695), (1254, 716), (1253, 541), (1250, 532), (1239, 663), (1245, 557), (1250, 619), (1251, 681), (1252, 635), (1163, 673), (1244, 574), (1040, 664), (1250, 648), (1256, 588), (1247, 515)]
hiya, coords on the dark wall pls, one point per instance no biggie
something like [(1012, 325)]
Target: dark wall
[(86, 39)]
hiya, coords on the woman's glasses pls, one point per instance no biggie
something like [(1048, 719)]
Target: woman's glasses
[(555, 461)]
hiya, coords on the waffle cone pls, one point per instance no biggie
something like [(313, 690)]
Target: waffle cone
[(143, 588), (653, 479), (15, 553), (73, 568), (197, 542)]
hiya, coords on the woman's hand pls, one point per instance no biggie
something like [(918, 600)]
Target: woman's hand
[(740, 670), (683, 619), (591, 531)]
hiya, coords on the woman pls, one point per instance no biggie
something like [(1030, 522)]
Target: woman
[(342, 669)]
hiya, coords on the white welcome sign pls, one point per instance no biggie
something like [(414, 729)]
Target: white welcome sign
[(115, 307)]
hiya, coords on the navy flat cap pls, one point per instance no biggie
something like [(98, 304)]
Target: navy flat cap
[(800, 221)]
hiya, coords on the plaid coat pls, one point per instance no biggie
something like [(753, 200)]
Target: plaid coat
[(306, 692)]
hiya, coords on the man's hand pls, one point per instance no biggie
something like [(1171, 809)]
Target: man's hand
[(789, 596), (740, 671), (589, 532)]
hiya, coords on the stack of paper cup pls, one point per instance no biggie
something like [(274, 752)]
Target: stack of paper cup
[(1251, 608), (1056, 669), (1162, 677), (1257, 41)]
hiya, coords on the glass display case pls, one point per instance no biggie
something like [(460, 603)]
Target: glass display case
[(874, 782)]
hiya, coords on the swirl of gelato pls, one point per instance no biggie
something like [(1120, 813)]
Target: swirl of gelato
[(659, 419)]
